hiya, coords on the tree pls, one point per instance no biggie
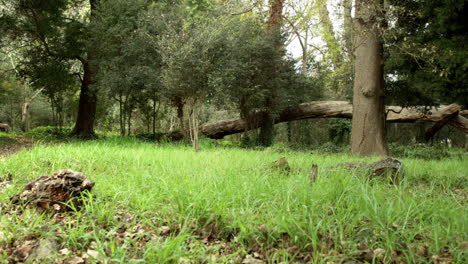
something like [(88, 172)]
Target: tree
[(275, 20), (368, 124), (53, 34), (129, 62), (426, 55), (188, 51)]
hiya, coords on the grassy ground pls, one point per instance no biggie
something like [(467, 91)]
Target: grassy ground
[(166, 204)]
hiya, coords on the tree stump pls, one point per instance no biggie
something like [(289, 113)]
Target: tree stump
[(57, 193)]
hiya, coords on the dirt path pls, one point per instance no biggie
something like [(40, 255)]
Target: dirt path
[(10, 145)]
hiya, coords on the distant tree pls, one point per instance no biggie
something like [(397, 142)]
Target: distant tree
[(188, 52), (129, 62), (53, 36), (250, 68)]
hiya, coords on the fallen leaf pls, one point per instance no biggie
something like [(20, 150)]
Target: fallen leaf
[(76, 260), (249, 259), (379, 252), (164, 230), (93, 253), (64, 251)]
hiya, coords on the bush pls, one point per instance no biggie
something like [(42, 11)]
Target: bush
[(420, 151), (330, 147), (149, 136), (339, 130), (50, 132)]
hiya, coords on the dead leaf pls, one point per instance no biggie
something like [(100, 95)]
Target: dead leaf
[(379, 252), (64, 251), (22, 253), (93, 253), (249, 259), (76, 260), (164, 230)]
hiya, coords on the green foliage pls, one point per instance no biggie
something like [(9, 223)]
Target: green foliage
[(5, 141), (421, 151), (330, 147), (426, 55), (339, 131), (50, 133)]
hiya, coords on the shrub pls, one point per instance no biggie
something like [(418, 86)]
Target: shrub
[(420, 151), (50, 132), (330, 147)]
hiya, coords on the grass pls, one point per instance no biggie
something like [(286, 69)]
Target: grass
[(221, 204), (5, 141)]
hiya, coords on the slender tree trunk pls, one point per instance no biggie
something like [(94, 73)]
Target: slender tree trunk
[(129, 118), (155, 114), (121, 116), (25, 115), (368, 125), (348, 27), (193, 125), (329, 35), (179, 103)]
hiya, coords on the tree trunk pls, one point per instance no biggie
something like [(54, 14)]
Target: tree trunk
[(129, 118), (325, 109), (368, 126), (179, 103), (121, 116), (84, 126), (348, 27), (329, 35), (265, 137), (155, 115), (26, 115)]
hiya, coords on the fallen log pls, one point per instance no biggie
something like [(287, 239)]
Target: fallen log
[(447, 116), (460, 122), (325, 109)]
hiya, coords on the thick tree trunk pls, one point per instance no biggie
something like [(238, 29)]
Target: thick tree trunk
[(84, 126), (326, 109), (368, 126)]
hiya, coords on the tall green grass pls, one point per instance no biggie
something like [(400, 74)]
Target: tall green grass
[(248, 205)]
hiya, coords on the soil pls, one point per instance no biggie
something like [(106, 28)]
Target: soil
[(11, 145)]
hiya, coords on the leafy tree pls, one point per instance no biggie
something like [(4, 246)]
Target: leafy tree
[(128, 60), (426, 53), (53, 34)]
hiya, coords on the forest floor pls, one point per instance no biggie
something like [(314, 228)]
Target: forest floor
[(163, 203), (10, 145)]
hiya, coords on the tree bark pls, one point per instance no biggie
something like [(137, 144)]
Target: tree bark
[(368, 126), (87, 105), (84, 126), (324, 109)]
